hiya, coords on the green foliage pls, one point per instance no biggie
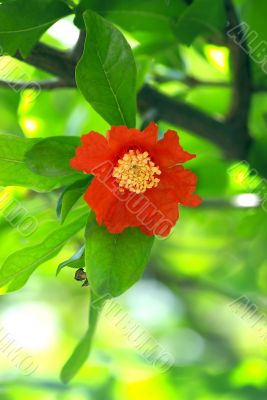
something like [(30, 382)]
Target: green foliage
[(114, 262), (106, 73), (160, 18), (19, 266), (51, 157), (14, 170), (76, 261), (139, 15), (201, 18), (70, 196), (23, 22), (151, 23)]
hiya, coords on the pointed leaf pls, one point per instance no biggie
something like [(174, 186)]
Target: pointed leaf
[(106, 73), (76, 261)]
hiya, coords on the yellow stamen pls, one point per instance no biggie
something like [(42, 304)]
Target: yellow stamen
[(136, 172)]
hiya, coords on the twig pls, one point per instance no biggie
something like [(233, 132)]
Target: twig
[(192, 82), (78, 49), (36, 85)]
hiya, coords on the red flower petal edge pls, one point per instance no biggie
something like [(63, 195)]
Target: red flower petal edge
[(138, 179)]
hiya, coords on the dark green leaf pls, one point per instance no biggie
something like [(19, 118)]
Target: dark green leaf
[(70, 196), (115, 262), (135, 16), (151, 22), (201, 17), (24, 22), (15, 172), (19, 266), (76, 261), (106, 73), (82, 350), (51, 156)]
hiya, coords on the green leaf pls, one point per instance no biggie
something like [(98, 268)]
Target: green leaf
[(76, 261), (82, 350), (115, 262), (15, 172), (201, 17), (24, 22), (51, 156), (19, 266), (106, 73), (70, 196), (135, 16)]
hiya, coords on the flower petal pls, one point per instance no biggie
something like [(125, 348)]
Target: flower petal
[(121, 138), (161, 213), (151, 134), (109, 206), (93, 152), (183, 184), (168, 152)]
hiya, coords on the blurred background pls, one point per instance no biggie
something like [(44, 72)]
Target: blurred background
[(202, 300)]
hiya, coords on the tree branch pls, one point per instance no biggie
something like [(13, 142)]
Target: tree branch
[(78, 48), (37, 85), (231, 136), (188, 118), (181, 114), (242, 86), (241, 81), (53, 61), (192, 82), (259, 89)]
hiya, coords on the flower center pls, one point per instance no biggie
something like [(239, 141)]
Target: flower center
[(136, 172)]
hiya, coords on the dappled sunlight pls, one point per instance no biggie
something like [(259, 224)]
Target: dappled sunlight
[(31, 126), (218, 56)]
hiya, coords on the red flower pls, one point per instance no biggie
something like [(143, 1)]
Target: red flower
[(137, 180)]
